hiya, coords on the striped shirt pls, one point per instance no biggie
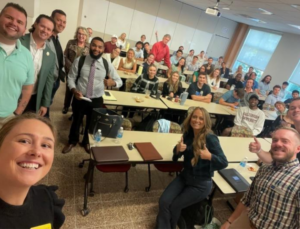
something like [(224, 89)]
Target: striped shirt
[(143, 83), (274, 196)]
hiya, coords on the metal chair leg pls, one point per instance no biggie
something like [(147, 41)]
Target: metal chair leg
[(126, 189), (85, 211), (147, 189), (92, 192)]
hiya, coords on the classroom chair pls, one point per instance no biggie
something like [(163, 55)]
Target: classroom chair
[(114, 168), (129, 83), (241, 132), (170, 168), (160, 86)]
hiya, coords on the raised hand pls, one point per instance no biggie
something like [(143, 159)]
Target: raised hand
[(204, 153), (181, 147), (255, 146)]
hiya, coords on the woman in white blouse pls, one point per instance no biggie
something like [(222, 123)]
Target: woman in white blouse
[(121, 42), (213, 80), (113, 57)]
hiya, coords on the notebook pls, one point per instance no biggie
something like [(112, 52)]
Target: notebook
[(235, 180), (109, 96), (147, 151), (109, 154)]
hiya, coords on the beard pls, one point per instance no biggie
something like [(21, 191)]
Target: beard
[(95, 57), (288, 156)]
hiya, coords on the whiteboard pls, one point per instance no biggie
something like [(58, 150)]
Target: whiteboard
[(118, 19), (200, 41), (183, 36), (163, 26), (142, 23), (218, 46), (91, 17)]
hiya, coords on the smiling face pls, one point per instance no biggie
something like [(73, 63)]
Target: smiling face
[(216, 73), (181, 62), (201, 79), (152, 72), (43, 29), (12, 25), (276, 90), (197, 120), (27, 153), (130, 54), (249, 84), (280, 107), (143, 38), (253, 103), (90, 31), (267, 79), (284, 146), (175, 77), (81, 35), (96, 49), (150, 58), (166, 40), (294, 111), (60, 21), (295, 95), (202, 69)]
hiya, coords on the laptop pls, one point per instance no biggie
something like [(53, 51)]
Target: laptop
[(235, 180), (109, 154)]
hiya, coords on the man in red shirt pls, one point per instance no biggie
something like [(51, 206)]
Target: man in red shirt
[(161, 50), (110, 45)]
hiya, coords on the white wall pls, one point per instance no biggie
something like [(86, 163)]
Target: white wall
[(188, 26), (284, 59)]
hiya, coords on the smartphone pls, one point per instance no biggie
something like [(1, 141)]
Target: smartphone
[(107, 93)]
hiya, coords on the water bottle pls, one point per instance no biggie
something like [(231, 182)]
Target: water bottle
[(243, 163), (269, 107), (119, 135), (201, 93), (97, 136)]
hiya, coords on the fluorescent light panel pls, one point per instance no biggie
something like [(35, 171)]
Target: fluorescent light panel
[(265, 11), (295, 26)]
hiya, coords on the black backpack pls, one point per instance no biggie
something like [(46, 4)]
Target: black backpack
[(80, 64), (147, 122)]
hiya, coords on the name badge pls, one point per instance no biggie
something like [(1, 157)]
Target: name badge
[(45, 226)]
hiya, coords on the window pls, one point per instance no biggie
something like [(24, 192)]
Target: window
[(257, 51), (294, 80)]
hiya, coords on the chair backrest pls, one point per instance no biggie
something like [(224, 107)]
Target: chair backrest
[(241, 131), (126, 124), (160, 86), (190, 110), (217, 96), (129, 83), (174, 127)]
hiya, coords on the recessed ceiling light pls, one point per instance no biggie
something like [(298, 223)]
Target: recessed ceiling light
[(295, 6), (295, 26), (257, 20), (226, 8), (265, 11)]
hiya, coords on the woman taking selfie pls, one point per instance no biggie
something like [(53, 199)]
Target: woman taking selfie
[(202, 156), (26, 156)]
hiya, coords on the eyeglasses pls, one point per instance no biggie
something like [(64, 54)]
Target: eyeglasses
[(81, 34)]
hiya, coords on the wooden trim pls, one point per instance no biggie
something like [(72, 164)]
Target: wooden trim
[(236, 43)]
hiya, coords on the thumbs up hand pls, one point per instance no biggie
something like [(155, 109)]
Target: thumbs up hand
[(255, 146), (181, 147), (204, 153), (109, 82)]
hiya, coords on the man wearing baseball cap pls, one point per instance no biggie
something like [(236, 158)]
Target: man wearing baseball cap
[(250, 117), (110, 45)]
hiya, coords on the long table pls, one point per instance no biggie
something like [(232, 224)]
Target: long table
[(128, 99), (164, 144), (211, 108)]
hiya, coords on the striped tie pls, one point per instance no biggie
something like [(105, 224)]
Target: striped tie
[(89, 90)]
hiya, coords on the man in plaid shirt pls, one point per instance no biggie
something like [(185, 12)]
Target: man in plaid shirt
[(273, 199)]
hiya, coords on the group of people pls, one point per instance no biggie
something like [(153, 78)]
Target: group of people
[(33, 66)]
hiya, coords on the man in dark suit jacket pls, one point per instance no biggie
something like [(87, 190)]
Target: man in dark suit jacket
[(44, 63)]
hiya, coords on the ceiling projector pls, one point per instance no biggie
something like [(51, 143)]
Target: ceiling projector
[(213, 11)]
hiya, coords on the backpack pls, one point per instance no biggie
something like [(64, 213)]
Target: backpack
[(147, 123), (80, 64)]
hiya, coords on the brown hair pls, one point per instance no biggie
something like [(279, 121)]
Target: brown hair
[(297, 135), (211, 75), (170, 82), (200, 139), (8, 126)]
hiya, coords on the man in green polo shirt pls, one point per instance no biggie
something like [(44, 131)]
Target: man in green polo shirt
[(16, 65)]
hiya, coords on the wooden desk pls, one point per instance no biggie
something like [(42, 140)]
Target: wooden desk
[(211, 108), (186, 72), (219, 90), (236, 148), (164, 144), (139, 62), (224, 80), (222, 184), (127, 99)]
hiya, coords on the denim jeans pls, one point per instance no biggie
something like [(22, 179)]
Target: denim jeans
[(182, 192)]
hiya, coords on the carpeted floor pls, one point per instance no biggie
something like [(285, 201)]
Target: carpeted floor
[(110, 207)]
